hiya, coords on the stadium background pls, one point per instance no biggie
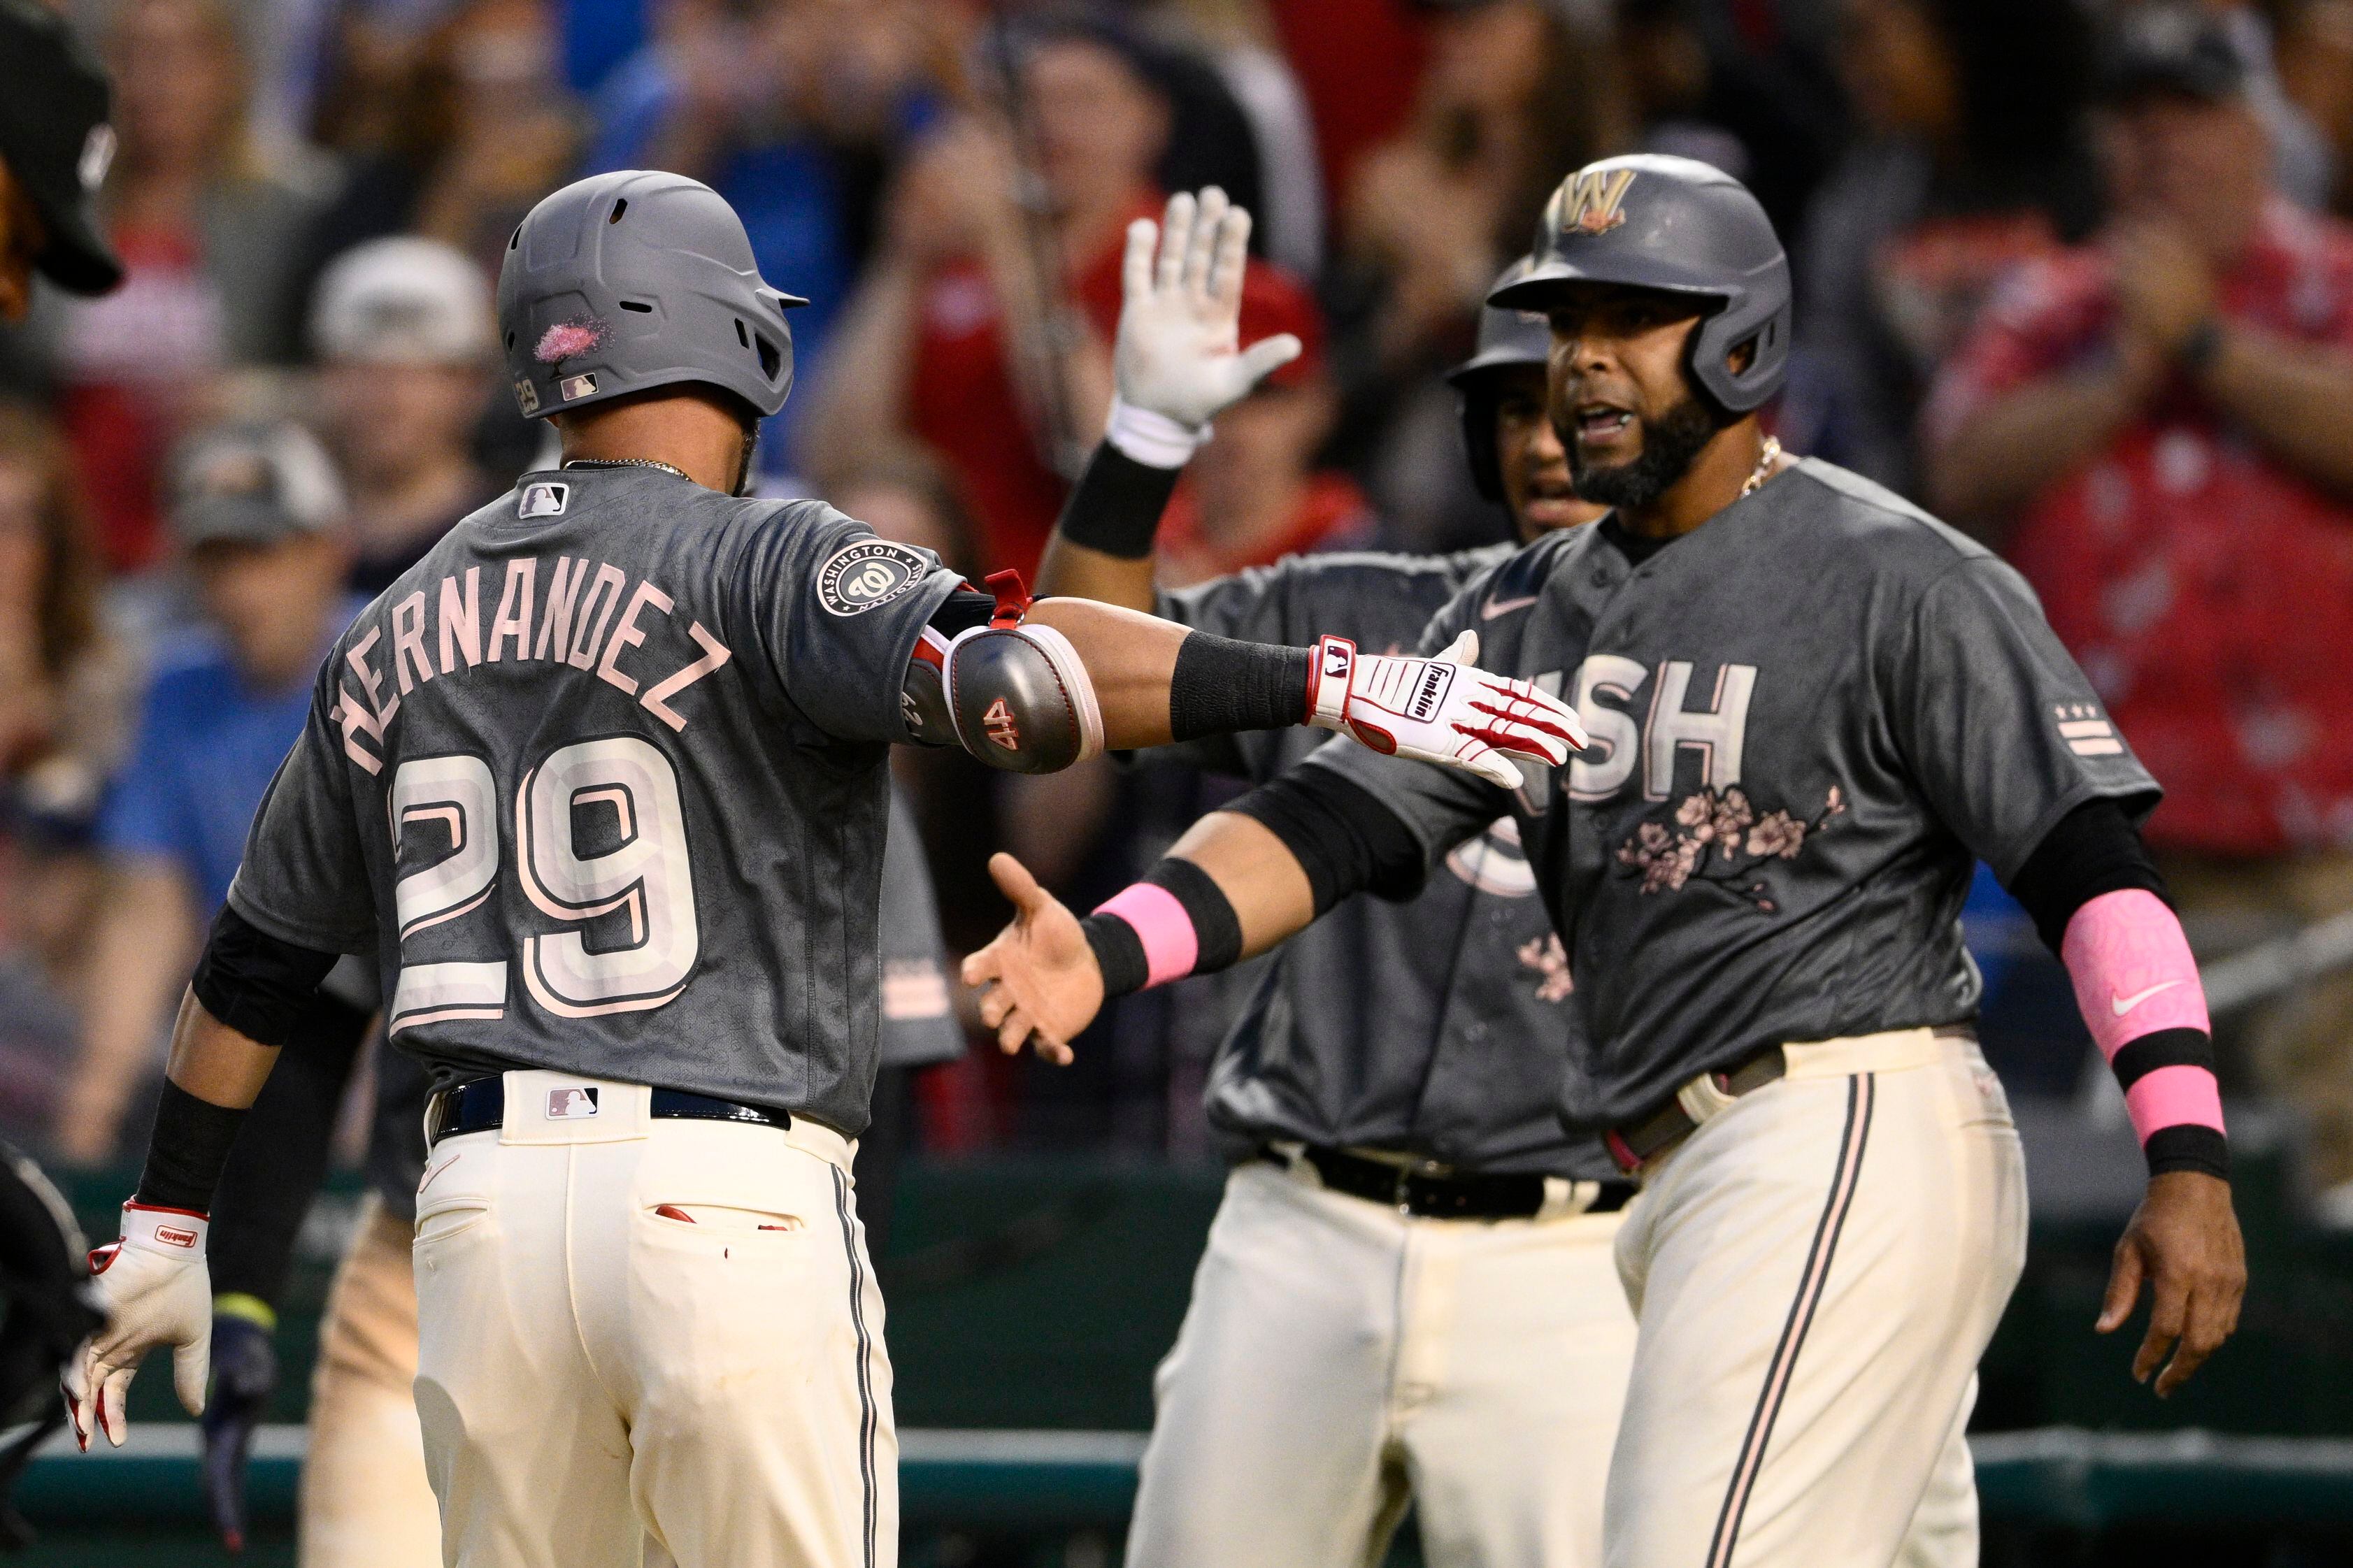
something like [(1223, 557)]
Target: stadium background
[(946, 193)]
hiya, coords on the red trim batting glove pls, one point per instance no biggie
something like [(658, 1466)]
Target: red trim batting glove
[(1444, 710), (156, 1290)]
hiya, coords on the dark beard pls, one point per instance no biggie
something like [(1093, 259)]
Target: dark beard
[(1670, 443)]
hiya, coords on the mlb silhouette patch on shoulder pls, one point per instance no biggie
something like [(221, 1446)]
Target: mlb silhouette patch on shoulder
[(544, 498), (858, 577)]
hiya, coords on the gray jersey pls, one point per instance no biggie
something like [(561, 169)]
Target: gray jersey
[(601, 783), (1440, 1026), (1808, 715)]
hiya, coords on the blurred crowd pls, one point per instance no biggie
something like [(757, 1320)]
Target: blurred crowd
[(2072, 275)]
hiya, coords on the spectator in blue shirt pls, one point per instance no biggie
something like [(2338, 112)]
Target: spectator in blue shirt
[(259, 517)]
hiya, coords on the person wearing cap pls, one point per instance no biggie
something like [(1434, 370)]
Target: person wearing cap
[(2157, 429), (55, 146), (258, 518), (402, 331)]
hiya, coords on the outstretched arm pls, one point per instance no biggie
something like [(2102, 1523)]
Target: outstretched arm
[(1240, 882)]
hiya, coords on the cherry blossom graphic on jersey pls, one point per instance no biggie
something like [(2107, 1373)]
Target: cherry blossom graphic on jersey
[(1722, 840), (1547, 956)]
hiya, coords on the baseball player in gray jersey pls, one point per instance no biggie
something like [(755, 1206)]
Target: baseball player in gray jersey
[(601, 783), (1810, 705), (1416, 1231)]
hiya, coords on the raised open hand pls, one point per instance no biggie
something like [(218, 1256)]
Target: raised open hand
[(1179, 351), (1039, 979)]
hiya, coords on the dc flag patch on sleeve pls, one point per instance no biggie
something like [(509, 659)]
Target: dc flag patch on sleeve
[(858, 577)]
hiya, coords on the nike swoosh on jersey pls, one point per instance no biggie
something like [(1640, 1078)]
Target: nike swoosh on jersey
[(1493, 607), (2124, 1004)]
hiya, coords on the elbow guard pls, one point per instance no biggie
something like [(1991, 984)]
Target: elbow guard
[(1020, 698)]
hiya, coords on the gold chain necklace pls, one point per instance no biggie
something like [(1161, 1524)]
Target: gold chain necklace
[(1764, 469)]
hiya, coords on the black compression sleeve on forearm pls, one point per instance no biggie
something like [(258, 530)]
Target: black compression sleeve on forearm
[(255, 984), (1117, 504), (1343, 837), (1220, 686), (2093, 850), (185, 1155), (281, 1158)]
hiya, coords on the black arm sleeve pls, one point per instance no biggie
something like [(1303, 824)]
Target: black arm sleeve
[(2093, 850), (257, 985), (280, 1158), (1116, 505), (1342, 835)]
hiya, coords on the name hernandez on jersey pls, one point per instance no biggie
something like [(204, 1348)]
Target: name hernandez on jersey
[(592, 615)]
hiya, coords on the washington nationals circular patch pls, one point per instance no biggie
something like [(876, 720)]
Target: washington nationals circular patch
[(857, 577)]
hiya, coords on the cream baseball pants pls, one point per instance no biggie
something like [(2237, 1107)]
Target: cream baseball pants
[(1815, 1271), (1340, 1357), (641, 1336)]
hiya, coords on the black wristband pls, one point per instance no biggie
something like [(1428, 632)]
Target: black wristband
[(189, 1148), (1117, 504), (1221, 686), (1216, 930), (2188, 1148), (1119, 954)]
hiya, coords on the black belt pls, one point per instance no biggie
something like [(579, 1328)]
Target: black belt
[(479, 1105), (1639, 1141), (1442, 1195)]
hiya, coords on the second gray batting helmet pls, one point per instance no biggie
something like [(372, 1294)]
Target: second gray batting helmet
[(634, 279), (1649, 221), (1506, 338)]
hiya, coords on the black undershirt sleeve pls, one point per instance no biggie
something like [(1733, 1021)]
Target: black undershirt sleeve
[(2093, 850), (1343, 837), (257, 985)]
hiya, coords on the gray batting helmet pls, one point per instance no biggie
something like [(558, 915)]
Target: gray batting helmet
[(634, 279), (1506, 338), (1651, 221)]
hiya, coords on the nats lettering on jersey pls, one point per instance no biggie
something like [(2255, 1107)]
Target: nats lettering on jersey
[(591, 616)]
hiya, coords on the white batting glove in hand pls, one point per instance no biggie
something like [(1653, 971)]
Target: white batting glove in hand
[(156, 1290), (1442, 709), (1178, 360)]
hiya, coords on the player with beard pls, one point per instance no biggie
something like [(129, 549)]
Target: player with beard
[(1811, 706)]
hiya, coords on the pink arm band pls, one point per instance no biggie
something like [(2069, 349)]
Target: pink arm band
[(2135, 979), (1171, 947)]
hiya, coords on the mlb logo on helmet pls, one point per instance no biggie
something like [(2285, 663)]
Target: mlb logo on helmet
[(570, 1104), (1591, 201)]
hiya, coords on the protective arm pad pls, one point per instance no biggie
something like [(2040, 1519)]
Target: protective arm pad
[(1020, 698), (2138, 987)]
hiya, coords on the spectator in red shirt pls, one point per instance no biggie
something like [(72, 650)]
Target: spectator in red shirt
[(984, 331), (2158, 428)]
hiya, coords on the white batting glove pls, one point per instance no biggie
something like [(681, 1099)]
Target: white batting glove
[(1178, 360), (1442, 709), (156, 1290)]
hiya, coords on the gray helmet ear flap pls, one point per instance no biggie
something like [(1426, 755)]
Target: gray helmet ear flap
[(1759, 320)]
